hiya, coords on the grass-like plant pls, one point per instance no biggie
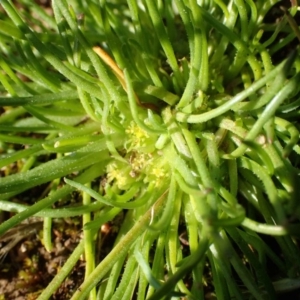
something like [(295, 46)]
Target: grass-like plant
[(182, 114)]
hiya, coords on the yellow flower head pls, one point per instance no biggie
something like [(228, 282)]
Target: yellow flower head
[(138, 136)]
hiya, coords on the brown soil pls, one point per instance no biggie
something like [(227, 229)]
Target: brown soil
[(26, 267)]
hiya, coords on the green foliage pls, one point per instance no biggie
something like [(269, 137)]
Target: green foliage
[(186, 113)]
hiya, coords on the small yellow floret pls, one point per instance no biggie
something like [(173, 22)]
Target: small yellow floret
[(120, 175), (138, 135), (158, 175), (158, 172), (140, 161)]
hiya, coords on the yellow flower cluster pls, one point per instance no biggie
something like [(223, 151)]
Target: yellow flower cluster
[(137, 135), (118, 173)]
